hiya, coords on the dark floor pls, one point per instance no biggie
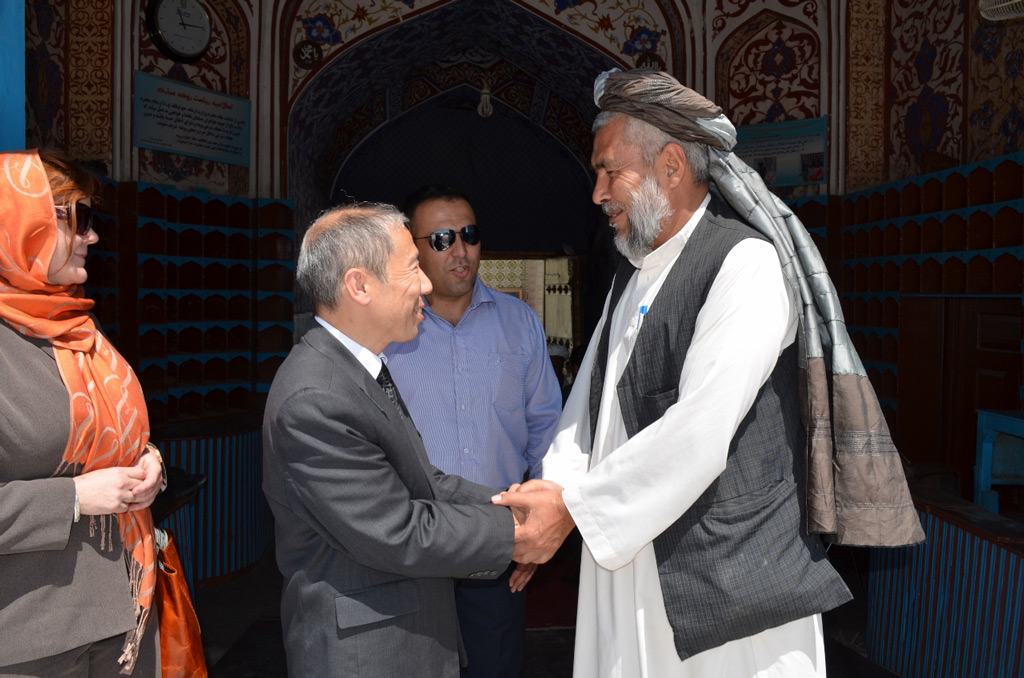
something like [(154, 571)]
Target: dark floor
[(242, 628)]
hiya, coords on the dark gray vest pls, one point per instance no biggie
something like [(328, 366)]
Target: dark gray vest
[(739, 561)]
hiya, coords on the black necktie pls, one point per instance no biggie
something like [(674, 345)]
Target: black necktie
[(386, 383)]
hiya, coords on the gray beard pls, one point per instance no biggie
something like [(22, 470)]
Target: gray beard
[(648, 208)]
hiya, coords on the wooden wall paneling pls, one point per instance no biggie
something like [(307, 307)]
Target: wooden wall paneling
[(910, 238), (979, 186), (893, 206), (920, 365), (931, 196), (1007, 181), (849, 211), (984, 356), (1008, 227), (274, 256), (890, 349), (1007, 275), (910, 277), (910, 200), (978, 230), (954, 234), (859, 314), (876, 241), (954, 276), (860, 277), (861, 212), (834, 239), (861, 243), (931, 277), (891, 277), (931, 235), (876, 206), (891, 240), (891, 311), (979, 276), (954, 192), (848, 243), (875, 312), (848, 278)]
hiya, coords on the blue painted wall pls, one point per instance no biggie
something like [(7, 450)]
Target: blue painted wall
[(12, 76)]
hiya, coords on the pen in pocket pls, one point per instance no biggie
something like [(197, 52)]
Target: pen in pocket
[(640, 316)]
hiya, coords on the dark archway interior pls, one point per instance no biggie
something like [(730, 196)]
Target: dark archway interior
[(370, 93), (529, 193)]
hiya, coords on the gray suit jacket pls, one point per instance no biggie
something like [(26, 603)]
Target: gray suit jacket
[(368, 532)]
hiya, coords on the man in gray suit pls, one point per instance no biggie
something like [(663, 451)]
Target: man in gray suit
[(369, 534)]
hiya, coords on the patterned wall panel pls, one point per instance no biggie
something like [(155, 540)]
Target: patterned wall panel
[(769, 70), (927, 88), (523, 278), (995, 77), (726, 13), (865, 103), (333, 26), (627, 30), (90, 95), (45, 73), (630, 30)]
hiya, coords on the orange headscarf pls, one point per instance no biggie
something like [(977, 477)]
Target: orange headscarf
[(109, 422)]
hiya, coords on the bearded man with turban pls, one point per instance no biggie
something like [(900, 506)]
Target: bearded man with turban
[(722, 421)]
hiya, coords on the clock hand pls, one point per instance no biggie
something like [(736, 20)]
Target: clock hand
[(185, 25), (181, 19)]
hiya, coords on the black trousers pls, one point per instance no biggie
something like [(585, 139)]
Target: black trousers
[(493, 624)]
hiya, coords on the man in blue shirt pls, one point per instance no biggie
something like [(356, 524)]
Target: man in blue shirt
[(481, 390)]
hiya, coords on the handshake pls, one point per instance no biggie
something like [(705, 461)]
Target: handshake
[(542, 521)]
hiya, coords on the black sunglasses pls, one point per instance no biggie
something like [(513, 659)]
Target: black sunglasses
[(83, 216), (445, 238)]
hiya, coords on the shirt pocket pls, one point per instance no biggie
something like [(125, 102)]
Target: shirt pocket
[(508, 380)]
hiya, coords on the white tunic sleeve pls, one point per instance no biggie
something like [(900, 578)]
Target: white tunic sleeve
[(569, 455), (638, 490)]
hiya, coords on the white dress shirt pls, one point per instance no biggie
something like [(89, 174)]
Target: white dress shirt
[(367, 358)]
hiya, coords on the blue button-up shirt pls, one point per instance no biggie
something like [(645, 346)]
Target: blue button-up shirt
[(483, 393)]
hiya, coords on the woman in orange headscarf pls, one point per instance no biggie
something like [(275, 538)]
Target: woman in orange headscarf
[(77, 561)]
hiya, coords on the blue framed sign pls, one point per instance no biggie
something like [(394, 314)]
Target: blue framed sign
[(786, 153), (180, 118)]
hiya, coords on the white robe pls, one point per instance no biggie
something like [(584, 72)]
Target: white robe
[(628, 491)]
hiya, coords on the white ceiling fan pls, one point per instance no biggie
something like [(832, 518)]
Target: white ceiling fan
[(1001, 10)]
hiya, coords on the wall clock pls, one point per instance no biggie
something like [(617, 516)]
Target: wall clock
[(179, 28)]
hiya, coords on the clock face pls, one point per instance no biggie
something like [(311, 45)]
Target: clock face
[(180, 28)]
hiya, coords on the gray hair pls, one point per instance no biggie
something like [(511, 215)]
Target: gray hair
[(343, 238), (651, 140)]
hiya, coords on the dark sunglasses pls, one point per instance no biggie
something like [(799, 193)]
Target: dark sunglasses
[(445, 238), (83, 216)]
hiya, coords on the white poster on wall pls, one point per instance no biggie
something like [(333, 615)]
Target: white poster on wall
[(180, 118), (788, 153)]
